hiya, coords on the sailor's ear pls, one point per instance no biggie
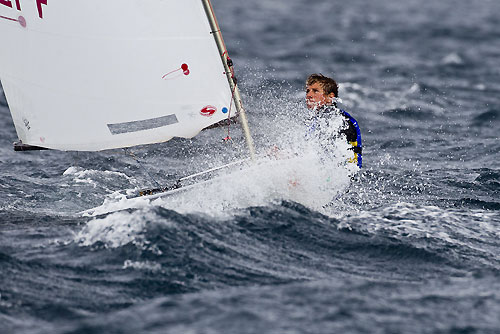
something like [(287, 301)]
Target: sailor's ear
[(331, 96)]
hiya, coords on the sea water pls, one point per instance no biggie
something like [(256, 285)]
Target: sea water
[(409, 244)]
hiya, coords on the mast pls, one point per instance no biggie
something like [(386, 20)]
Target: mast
[(227, 64)]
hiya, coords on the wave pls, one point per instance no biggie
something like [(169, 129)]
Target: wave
[(264, 255), (483, 179), (489, 179), (279, 243), (486, 118), (477, 204), (398, 143), (453, 59), (415, 113), (312, 307)]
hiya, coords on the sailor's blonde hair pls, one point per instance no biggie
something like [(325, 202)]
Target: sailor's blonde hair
[(328, 84)]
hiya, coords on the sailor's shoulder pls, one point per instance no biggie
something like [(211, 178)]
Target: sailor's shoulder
[(329, 111), (345, 113), (348, 116)]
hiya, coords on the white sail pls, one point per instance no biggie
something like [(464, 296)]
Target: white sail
[(95, 75)]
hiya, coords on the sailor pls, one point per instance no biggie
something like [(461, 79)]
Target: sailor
[(321, 98)]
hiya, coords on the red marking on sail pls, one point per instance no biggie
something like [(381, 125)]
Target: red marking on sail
[(184, 68), (208, 111), (22, 21), (6, 3), (7, 18), (39, 4)]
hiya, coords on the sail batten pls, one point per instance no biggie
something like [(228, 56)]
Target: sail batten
[(95, 76)]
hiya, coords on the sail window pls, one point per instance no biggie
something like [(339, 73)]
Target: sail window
[(147, 124)]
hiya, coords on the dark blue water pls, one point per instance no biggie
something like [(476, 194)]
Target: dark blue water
[(412, 246)]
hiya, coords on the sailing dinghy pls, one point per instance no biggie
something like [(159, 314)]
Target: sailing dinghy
[(92, 76)]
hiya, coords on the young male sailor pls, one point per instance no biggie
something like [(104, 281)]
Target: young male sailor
[(321, 95)]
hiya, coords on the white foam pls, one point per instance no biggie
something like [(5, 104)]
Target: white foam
[(96, 178), (81, 173), (452, 59), (118, 229), (409, 220), (307, 178), (146, 265), (300, 172)]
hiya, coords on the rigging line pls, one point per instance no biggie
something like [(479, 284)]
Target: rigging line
[(229, 115), (140, 164), (178, 182), (229, 63), (8, 18)]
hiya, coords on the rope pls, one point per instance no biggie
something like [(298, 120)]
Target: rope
[(140, 164), (229, 62), (229, 116)]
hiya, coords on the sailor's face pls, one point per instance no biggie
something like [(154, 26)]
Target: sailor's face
[(316, 98)]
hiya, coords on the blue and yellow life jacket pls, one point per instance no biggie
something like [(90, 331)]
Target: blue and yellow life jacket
[(351, 131), (354, 139)]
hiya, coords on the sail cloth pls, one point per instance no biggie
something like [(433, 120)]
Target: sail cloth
[(96, 75)]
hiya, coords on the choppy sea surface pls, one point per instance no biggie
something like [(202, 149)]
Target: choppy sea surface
[(411, 244)]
